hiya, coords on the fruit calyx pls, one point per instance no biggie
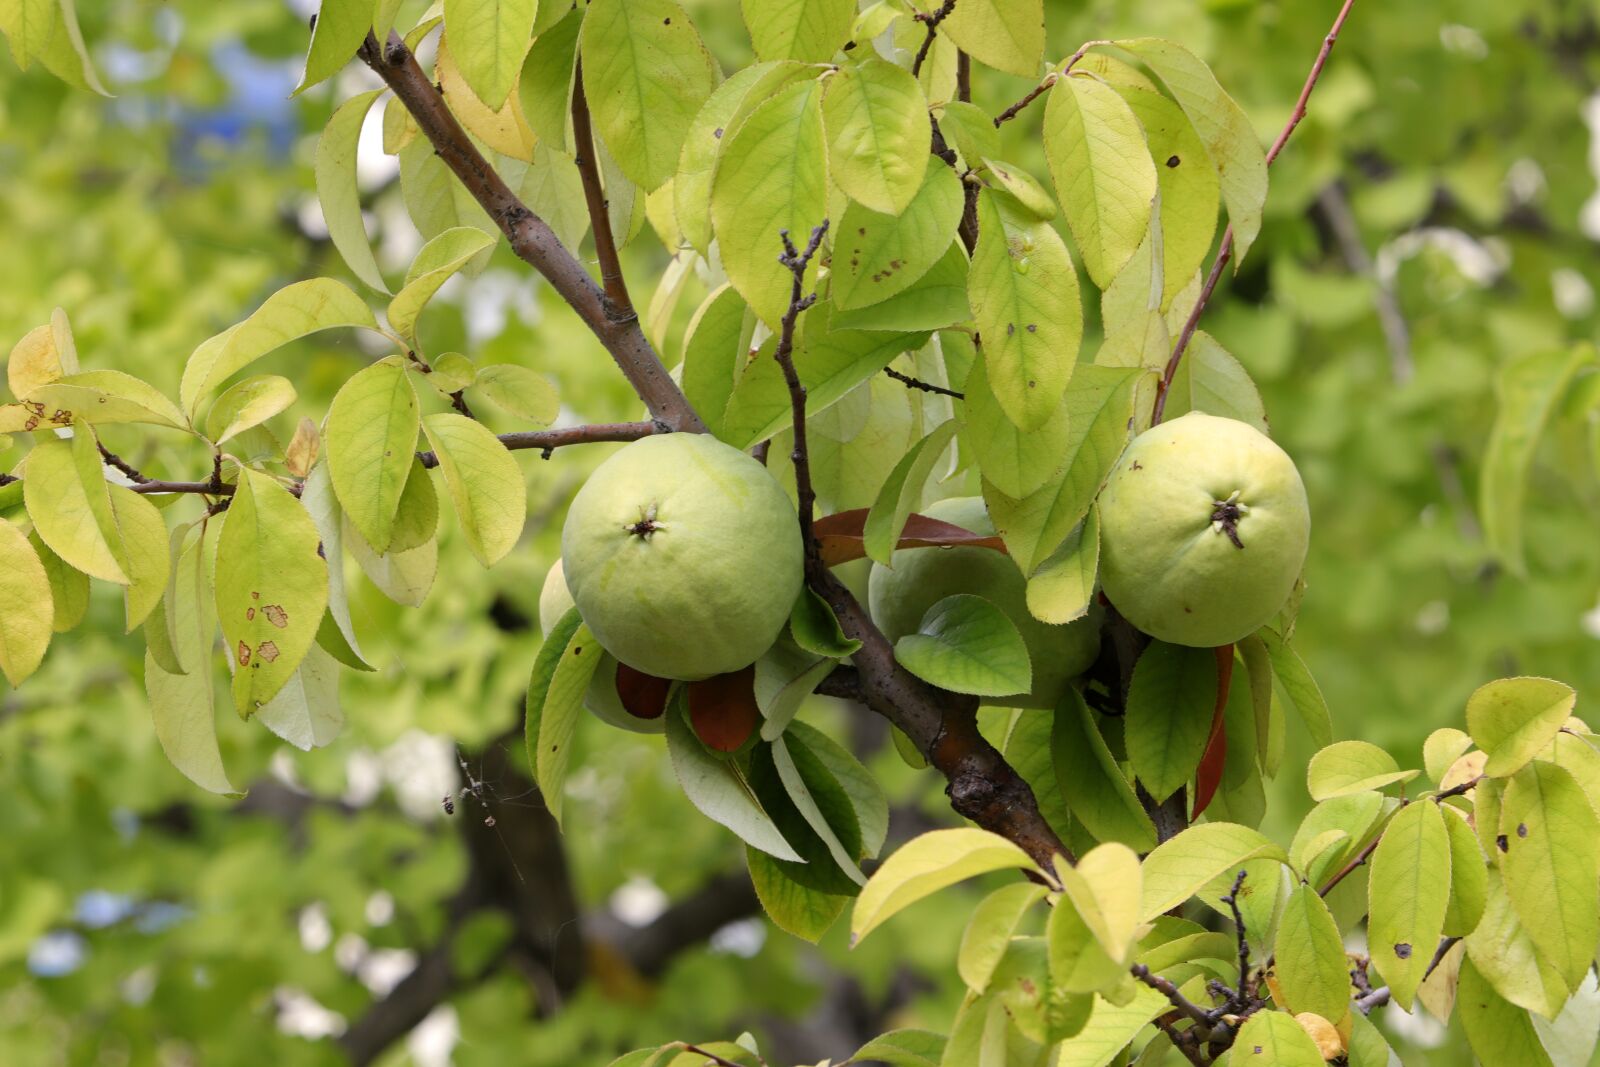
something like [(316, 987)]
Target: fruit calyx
[(1226, 515), (646, 525)]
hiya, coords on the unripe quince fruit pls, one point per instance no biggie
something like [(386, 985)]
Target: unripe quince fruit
[(683, 556), (1203, 530), (921, 577)]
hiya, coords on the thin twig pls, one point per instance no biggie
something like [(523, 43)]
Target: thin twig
[(1164, 986), (458, 400), (1232, 900), (784, 353), (1225, 249), (930, 20), (1049, 79), (605, 243), (711, 1057), (917, 383), (121, 464)]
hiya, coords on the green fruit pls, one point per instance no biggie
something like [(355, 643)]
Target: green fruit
[(921, 577), (1203, 530), (554, 600), (683, 555)]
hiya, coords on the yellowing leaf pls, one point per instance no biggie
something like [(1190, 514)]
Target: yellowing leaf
[(1352, 767), (306, 711), (1512, 719), (501, 127), (144, 546), (27, 608), (879, 255), (1274, 1039), (484, 482), (107, 396), (519, 391), (69, 502), (371, 437), (990, 929), (1183, 865), (1104, 176), (340, 28), (1062, 589), (927, 864), (1409, 890), (248, 402), (1024, 295), (292, 312), (878, 134), (335, 170), (1311, 969), (902, 492), (772, 177), (1007, 35), (272, 587), (645, 73), (69, 587), (38, 359), (1548, 861), (808, 30), (1188, 184), (489, 39), (439, 259)]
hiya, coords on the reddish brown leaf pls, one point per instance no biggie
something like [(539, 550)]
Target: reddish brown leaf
[(843, 535), (644, 696), (1209, 775), (723, 711)]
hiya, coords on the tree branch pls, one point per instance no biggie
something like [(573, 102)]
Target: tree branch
[(531, 237), (917, 383), (784, 353), (605, 244), (1225, 250), (930, 20)]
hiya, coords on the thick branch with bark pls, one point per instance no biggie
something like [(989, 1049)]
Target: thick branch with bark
[(531, 237)]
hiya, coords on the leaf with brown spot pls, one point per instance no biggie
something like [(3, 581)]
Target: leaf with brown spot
[(723, 710), (644, 696), (842, 536)]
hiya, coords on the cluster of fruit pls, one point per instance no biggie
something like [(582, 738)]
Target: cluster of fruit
[(683, 557)]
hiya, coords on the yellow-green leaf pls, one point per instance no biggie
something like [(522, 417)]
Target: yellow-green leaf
[(545, 88), (878, 134), (878, 255), (272, 587), (519, 391), (1497, 1030), (1549, 861), (1183, 865), (65, 492), (340, 28), (1408, 892), (1352, 767), (1469, 875), (292, 312), (144, 546), (927, 864), (1512, 719), (1311, 967), (1103, 173), (1062, 589), (990, 929), (248, 402), (808, 30), (27, 606), (1007, 35), (488, 39), (1095, 789), (1274, 1039), (1188, 184), (371, 437), (335, 171), (107, 396), (645, 72), (440, 258), (306, 711), (902, 492), (1170, 703), (69, 587), (484, 482)]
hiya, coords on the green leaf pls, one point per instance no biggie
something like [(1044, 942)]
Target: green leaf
[(990, 930), (718, 788), (878, 133), (1311, 965), (27, 606), (1549, 861), (1469, 876), (559, 706), (773, 176), (336, 187), (1442, 748), (1299, 686), (1024, 192), (317, 495), (1062, 589), (340, 28), (1099, 403), (1079, 962), (903, 1048), (183, 705), (1505, 954), (272, 587), (645, 73), (248, 402), (926, 864), (1017, 462), (1096, 792), (1211, 380), (439, 259), (1408, 892), (545, 87), (1352, 767), (292, 312), (1027, 749), (1185, 864), (556, 640), (434, 199), (786, 675), (144, 547), (1514, 718), (1007, 35), (1223, 127), (371, 438), (66, 55), (1103, 173), (484, 482), (306, 711), (808, 30), (416, 520), (902, 492), (967, 645), (1024, 294), (934, 301), (816, 629), (69, 587), (519, 391), (1497, 1030), (800, 800), (1528, 390), (866, 797), (1274, 1039), (1170, 706), (1188, 186), (69, 502), (488, 39), (800, 795), (28, 24), (108, 396), (805, 912), (1111, 1028)]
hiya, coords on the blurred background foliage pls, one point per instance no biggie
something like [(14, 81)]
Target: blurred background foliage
[(1434, 217)]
